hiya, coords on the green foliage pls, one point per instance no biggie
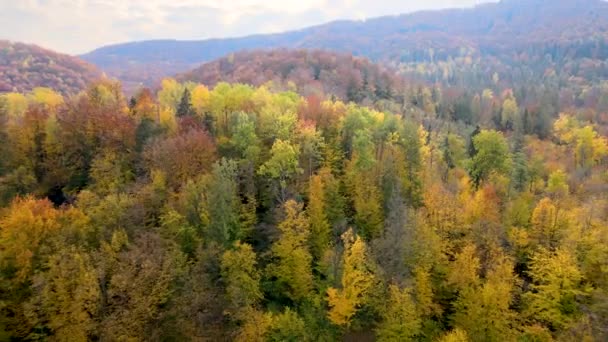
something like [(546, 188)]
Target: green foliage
[(223, 204), (241, 278), (288, 326), (185, 105), (492, 156), (282, 165), (400, 321), (556, 284)]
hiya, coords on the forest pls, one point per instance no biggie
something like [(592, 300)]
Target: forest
[(24, 67), (409, 212)]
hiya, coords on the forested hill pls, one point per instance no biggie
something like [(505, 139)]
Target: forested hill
[(24, 67), (504, 33), (309, 72)]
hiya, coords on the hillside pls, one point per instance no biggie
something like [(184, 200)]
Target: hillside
[(24, 67), (313, 72), (501, 33)]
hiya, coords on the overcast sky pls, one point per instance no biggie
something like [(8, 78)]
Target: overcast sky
[(78, 26)]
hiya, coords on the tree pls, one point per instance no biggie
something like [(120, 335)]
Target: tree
[(510, 113), (558, 183), (400, 320), (319, 225), (68, 296), (290, 268), (241, 278), (109, 173), (288, 327), (185, 109), (282, 165), (492, 156), (464, 272), (200, 100), (455, 335), (182, 157), (137, 283), (223, 204), (27, 225), (356, 281), (484, 312), (556, 284)]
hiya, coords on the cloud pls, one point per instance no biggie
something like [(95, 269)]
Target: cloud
[(78, 26)]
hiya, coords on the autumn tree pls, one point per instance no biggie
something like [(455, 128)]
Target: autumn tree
[(492, 156), (282, 165), (556, 286), (400, 321), (356, 281), (290, 269), (183, 157), (320, 230), (241, 278), (68, 296), (223, 204)]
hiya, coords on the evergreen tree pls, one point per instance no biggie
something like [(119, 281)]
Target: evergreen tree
[(185, 108)]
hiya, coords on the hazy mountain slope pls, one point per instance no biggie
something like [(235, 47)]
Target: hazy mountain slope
[(311, 72), (510, 27), (24, 67)]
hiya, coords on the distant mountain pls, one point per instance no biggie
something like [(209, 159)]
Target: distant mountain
[(311, 72), (504, 31), (24, 67)]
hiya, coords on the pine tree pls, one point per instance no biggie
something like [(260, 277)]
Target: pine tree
[(185, 105)]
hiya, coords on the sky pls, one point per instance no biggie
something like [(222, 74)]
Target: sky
[(79, 26)]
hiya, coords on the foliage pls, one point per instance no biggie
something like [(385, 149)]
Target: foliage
[(126, 221)]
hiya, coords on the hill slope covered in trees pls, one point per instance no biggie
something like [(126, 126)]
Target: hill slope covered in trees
[(495, 37), (309, 72), (24, 67)]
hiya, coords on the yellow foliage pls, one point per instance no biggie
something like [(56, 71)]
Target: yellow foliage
[(255, 327), (27, 223), (17, 105), (456, 335), (167, 119), (46, 96), (464, 271), (200, 98), (357, 280)]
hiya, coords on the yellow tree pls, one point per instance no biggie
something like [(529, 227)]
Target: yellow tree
[(69, 296), (484, 311), (26, 226), (200, 99), (242, 279), (356, 281), (291, 260), (400, 319), (510, 112), (319, 225), (464, 271), (556, 284), (548, 224)]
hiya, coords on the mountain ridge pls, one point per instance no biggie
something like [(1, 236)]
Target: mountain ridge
[(24, 67), (491, 28)]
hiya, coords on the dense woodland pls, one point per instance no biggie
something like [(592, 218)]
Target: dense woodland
[(458, 193), (244, 213), (24, 67), (310, 72)]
